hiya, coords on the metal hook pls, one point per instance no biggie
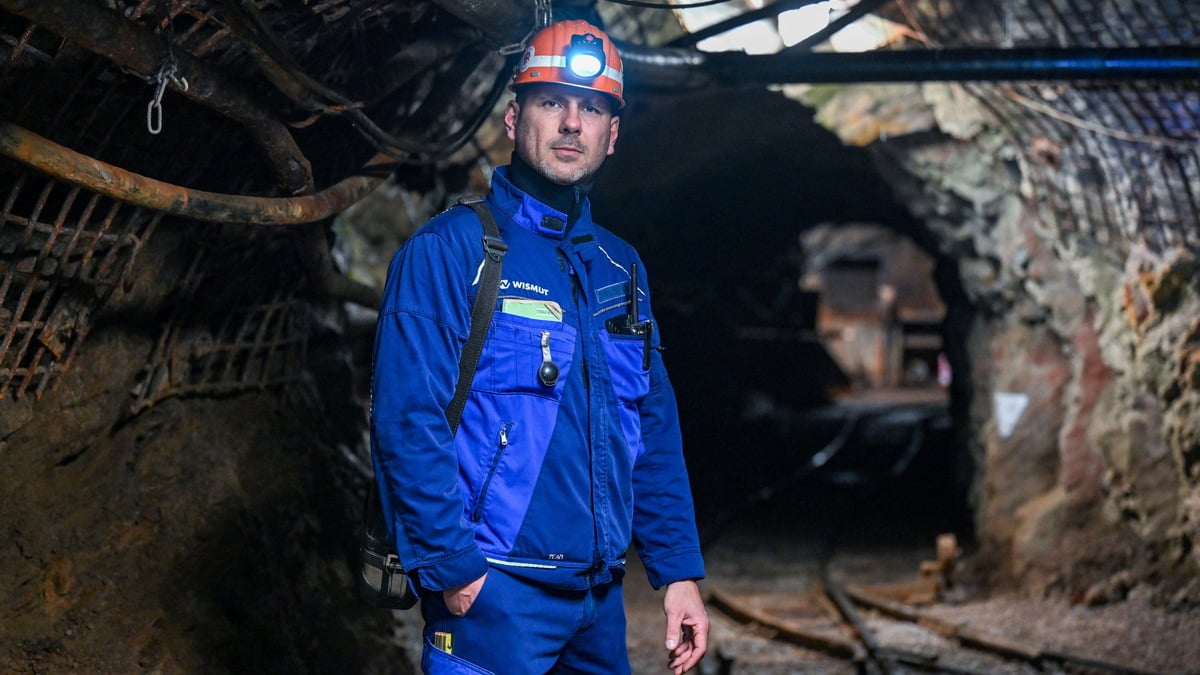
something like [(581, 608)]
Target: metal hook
[(166, 73)]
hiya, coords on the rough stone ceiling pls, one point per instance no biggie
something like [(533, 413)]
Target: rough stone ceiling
[(286, 112)]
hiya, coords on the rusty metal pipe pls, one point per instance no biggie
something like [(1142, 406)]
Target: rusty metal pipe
[(125, 43), (46, 156)]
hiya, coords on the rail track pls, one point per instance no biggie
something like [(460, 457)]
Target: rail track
[(866, 629)]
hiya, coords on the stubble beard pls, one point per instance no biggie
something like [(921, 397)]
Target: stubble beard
[(557, 173), (563, 177)]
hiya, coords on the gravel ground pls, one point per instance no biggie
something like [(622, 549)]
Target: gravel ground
[(770, 562), (759, 566)]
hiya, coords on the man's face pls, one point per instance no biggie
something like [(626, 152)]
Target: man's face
[(563, 132)]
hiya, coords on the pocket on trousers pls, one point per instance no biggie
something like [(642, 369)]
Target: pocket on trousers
[(437, 662)]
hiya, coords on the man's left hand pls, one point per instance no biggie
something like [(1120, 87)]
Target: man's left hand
[(687, 625)]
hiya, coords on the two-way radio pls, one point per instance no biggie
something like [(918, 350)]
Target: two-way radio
[(628, 323)]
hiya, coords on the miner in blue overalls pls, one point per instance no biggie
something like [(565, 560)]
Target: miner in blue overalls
[(514, 529)]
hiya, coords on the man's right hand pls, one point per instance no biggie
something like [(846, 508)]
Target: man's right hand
[(459, 600)]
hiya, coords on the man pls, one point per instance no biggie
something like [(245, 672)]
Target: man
[(514, 530)]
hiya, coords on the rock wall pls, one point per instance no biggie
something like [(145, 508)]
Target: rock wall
[(212, 534), (1080, 261)]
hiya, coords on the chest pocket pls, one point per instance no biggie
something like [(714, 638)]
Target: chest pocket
[(630, 382), (626, 354), (515, 351)]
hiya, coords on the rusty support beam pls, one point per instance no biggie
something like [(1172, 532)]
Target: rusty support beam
[(125, 43), (49, 157), (72, 167)]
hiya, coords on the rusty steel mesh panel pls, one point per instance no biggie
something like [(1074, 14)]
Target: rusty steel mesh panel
[(64, 250), (238, 324), (62, 253)]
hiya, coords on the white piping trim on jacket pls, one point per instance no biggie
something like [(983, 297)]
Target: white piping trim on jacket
[(508, 563)]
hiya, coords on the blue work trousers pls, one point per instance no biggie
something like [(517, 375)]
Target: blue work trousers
[(516, 627)]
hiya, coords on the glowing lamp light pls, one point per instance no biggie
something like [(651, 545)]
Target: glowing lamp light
[(585, 56)]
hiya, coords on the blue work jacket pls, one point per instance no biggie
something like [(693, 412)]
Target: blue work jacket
[(550, 482)]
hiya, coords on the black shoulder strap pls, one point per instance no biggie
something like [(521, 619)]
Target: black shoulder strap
[(377, 549), (494, 249)]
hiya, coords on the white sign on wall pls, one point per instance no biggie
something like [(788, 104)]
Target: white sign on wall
[(1008, 408)]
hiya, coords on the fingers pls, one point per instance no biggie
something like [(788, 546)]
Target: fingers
[(459, 600), (672, 642), (687, 626), (688, 653), (457, 603)]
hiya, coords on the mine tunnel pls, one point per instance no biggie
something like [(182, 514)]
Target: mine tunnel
[(808, 299), (925, 275)]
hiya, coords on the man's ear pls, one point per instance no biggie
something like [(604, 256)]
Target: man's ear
[(511, 111), (613, 127)]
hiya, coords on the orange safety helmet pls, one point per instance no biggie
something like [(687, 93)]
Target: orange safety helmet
[(574, 53)]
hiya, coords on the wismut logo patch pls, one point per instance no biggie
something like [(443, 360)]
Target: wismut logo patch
[(506, 284)]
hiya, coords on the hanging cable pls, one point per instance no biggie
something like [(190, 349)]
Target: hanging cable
[(770, 11), (453, 143), (664, 5), (857, 12)]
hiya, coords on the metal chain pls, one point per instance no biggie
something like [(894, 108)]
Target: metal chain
[(167, 73), (543, 15)]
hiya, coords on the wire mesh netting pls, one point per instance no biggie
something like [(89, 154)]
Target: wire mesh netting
[(64, 252), (224, 338), (1117, 161)]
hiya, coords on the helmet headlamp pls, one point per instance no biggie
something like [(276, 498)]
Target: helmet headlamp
[(585, 56), (573, 53)]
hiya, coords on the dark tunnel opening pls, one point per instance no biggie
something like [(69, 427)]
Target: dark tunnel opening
[(734, 207)]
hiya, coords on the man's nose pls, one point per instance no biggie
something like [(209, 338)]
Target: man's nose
[(571, 122)]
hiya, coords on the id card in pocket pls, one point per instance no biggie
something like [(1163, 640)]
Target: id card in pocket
[(544, 310)]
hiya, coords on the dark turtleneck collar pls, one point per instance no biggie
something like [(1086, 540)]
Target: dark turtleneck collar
[(567, 199)]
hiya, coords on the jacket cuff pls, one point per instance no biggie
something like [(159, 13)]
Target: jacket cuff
[(688, 564), (457, 570)]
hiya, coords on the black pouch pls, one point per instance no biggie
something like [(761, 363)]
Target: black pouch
[(382, 582)]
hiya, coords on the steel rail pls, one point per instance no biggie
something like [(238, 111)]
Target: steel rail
[(973, 639), (874, 651), (871, 656)]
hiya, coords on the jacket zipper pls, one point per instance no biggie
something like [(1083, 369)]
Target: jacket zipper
[(580, 297), (477, 512)]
